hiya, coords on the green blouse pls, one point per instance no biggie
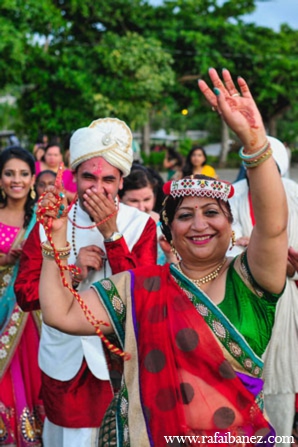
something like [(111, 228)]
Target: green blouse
[(251, 312)]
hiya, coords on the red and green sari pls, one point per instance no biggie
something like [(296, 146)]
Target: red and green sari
[(192, 372)]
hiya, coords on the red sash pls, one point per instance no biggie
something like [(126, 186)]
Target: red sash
[(187, 385)]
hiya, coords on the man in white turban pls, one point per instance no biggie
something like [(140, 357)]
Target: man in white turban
[(108, 138), (107, 237)]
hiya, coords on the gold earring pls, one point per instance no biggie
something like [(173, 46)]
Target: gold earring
[(173, 250), (165, 217), (3, 194), (32, 193), (233, 240)]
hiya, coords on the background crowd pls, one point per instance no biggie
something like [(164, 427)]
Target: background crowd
[(28, 398)]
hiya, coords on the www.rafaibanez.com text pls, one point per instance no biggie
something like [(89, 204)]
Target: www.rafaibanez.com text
[(228, 438)]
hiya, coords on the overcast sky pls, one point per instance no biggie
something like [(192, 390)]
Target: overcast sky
[(271, 13), (275, 12)]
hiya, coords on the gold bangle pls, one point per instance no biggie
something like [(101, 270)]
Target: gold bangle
[(259, 160), (46, 246), (248, 157), (62, 253), (51, 255)]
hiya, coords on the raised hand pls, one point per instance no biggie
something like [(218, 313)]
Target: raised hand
[(52, 205), (12, 256), (89, 258), (237, 108), (101, 208)]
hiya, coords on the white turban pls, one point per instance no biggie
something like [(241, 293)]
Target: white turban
[(108, 138), (280, 155)]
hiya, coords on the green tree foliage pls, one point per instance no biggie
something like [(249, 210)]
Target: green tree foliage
[(201, 34), (137, 70), (76, 60), (85, 70)]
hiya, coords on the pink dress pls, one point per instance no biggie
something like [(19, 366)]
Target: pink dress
[(67, 178), (37, 167), (21, 409), (69, 181)]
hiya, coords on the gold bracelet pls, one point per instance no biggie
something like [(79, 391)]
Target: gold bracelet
[(258, 153), (48, 247), (48, 251), (49, 255), (259, 157), (256, 162)]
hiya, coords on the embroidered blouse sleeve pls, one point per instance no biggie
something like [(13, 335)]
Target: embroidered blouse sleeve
[(114, 292)]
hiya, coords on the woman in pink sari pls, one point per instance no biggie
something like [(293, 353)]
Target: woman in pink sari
[(21, 410)]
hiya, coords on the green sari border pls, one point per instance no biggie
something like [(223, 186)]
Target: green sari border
[(106, 295), (234, 343), (114, 305)]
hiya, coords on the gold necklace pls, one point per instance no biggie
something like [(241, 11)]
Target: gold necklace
[(204, 279)]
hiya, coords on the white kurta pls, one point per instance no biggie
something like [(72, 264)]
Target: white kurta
[(60, 354)]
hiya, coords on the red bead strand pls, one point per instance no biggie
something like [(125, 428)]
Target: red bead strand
[(74, 270)]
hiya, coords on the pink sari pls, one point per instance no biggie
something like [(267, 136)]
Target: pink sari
[(21, 409)]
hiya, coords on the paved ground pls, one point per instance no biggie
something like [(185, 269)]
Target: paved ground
[(231, 174)]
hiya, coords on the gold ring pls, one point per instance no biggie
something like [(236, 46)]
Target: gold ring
[(236, 94)]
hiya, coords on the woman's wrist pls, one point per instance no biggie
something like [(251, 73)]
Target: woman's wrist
[(58, 243), (59, 237), (50, 252), (254, 143), (254, 159)]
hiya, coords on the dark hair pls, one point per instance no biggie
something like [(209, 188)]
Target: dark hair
[(172, 203), (159, 194), (188, 166), (52, 144), (47, 147), (18, 152), (46, 171), (172, 154), (40, 138), (138, 178), (141, 177)]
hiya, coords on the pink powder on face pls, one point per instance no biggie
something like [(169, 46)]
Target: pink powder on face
[(94, 166)]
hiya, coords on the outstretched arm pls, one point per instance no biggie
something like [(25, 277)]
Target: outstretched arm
[(267, 249), (59, 307)]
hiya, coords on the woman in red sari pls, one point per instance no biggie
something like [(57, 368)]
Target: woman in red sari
[(194, 331)]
